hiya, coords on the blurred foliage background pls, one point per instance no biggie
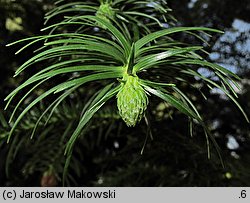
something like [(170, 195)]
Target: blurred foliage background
[(108, 153)]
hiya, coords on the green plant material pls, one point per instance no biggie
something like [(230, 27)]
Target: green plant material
[(137, 57), (132, 100), (45, 151), (103, 96), (107, 55), (14, 24), (105, 12), (137, 15)]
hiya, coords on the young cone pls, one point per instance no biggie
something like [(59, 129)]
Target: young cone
[(105, 12), (132, 100)]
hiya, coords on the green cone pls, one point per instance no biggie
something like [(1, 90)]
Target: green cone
[(132, 101), (105, 12)]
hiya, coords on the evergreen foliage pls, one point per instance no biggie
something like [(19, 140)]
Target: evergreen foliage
[(97, 62)]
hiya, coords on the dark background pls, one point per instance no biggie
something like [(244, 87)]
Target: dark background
[(109, 153)]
